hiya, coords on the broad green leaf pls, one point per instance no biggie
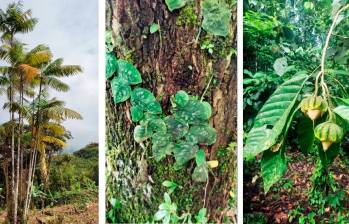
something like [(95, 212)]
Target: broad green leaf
[(273, 117), (217, 17), (136, 113), (306, 137), (156, 125), (342, 101), (153, 107), (111, 65), (128, 72), (200, 173), (161, 145), (202, 134), (194, 112), (140, 134), (342, 111), (142, 97), (175, 4), (121, 90), (200, 157), (178, 129), (280, 66), (273, 167), (181, 98), (154, 28), (184, 152)]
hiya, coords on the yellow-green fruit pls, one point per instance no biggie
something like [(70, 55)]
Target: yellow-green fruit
[(314, 106), (328, 133)]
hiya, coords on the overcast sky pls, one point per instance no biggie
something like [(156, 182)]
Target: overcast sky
[(69, 28)]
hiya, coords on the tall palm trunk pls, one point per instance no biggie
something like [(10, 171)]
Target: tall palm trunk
[(33, 155), (14, 199), (43, 166), (19, 150)]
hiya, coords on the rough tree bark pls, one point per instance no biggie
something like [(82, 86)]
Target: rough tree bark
[(168, 62)]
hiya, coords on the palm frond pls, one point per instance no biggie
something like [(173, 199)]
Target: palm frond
[(53, 140), (57, 129), (59, 113), (57, 84), (28, 71), (38, 58)]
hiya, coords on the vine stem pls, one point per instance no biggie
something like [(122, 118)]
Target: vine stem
[(324, 52), (207, 86)]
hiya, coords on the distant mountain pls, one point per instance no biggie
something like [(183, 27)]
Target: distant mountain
[(72, 150), (90, 151)]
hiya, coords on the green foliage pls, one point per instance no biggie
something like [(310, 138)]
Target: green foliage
[(216, 17), (112, 214), (123, 75), (175, 4), (273, 166), (168, 211), (69, 169), (281, 38), (273, 117), (342, 111), (154, 28), (179, 134)]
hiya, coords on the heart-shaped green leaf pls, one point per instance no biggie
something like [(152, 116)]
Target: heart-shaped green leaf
[(194, 112), (184, 152), (136, 113), (121, 91), (181, 98), (140, 134), (200, 158), (156, 125), (141, 97), (111, 65), (200, 173), (153, 107), (128, 72), (217, 16), (178, 129), (202, 134), (162, 145)]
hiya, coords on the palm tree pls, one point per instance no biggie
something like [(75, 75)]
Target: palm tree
[(21, 70), (26, 79), (14, 20)]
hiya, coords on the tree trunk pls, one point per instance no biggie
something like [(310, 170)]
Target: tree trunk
[(169, 60)]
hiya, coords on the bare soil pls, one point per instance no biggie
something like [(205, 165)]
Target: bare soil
[(62, 214)]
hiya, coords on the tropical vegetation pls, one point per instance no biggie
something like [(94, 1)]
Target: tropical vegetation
[(34, 131), (296, 111)]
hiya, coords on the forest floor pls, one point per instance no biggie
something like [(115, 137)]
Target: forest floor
[(289, 194), (62, 214)]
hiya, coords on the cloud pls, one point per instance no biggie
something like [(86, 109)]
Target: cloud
[(70, 29)]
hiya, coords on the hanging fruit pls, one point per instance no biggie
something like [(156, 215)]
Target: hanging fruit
[(328, 133), (314, 107)]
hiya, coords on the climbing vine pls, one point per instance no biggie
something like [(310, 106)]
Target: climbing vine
[(181, 133)]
